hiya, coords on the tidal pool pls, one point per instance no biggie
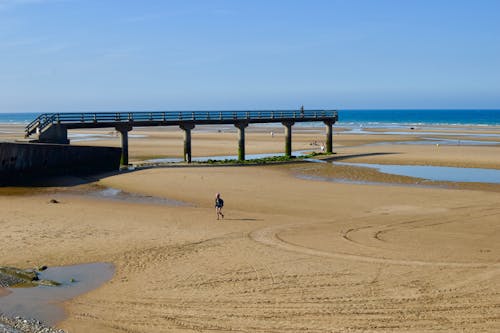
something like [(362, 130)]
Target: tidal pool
[(44, 302), (435, 173), (119, 195)]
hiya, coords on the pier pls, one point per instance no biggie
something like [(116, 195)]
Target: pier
[(53, 127)]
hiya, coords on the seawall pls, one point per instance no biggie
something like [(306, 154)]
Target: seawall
[(20, 161)]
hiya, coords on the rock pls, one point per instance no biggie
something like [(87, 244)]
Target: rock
[(54, 201), (21, 325), (10, 276)]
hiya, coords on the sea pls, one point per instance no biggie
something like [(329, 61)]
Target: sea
[(370, 117)]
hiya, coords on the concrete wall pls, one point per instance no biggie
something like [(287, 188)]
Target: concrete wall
[(19, 160)]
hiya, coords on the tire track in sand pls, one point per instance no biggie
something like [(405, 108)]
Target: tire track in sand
[(270, 236)]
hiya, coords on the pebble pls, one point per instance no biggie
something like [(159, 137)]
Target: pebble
[(8, 280), (22, 325)]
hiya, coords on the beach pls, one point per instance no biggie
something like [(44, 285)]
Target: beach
[(304, 246)]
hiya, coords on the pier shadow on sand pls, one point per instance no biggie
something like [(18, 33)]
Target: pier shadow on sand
[(244, 220), (33, 181)]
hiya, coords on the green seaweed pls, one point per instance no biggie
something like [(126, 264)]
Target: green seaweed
[(264, 160)]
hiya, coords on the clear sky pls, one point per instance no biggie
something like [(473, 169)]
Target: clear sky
[(90, 55)]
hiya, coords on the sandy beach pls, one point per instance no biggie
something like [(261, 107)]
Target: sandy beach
[(386, 254)]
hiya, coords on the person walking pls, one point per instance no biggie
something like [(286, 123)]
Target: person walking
[(219, 203)]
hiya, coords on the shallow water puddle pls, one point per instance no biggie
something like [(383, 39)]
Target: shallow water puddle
[(43, 302), (435, 173), (119, 195)]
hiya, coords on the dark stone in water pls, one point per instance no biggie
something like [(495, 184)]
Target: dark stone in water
[(43, 303)]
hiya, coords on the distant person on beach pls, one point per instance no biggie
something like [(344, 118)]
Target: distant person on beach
[(302, 111), (219, 203)]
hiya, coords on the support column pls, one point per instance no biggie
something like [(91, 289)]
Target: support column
[(187, 141), (124, 136), (288, 137), (329, 136), (54, 134), (241, 139)]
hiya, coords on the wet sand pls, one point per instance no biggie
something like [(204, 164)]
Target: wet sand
[(291, 255)]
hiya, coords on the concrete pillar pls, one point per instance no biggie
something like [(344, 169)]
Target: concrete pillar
[(187, 141), (241, 139), (329, 136), (124, 136), (288, 137), (54, 134)]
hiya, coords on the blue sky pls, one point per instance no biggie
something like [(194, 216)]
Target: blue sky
[(100, 55)]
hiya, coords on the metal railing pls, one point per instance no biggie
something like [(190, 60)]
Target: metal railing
[(207, 117)]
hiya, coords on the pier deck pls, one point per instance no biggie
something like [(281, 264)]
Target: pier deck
[(53, 127)]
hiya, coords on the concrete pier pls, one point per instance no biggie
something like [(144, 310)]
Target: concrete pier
[(187, 127), (53, 127), (124, 129), (54, 134), (241, 139), (329, 136), (288, 137)]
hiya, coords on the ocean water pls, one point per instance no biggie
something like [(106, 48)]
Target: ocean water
[(18, 118), (355, 118), (420, 117)]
